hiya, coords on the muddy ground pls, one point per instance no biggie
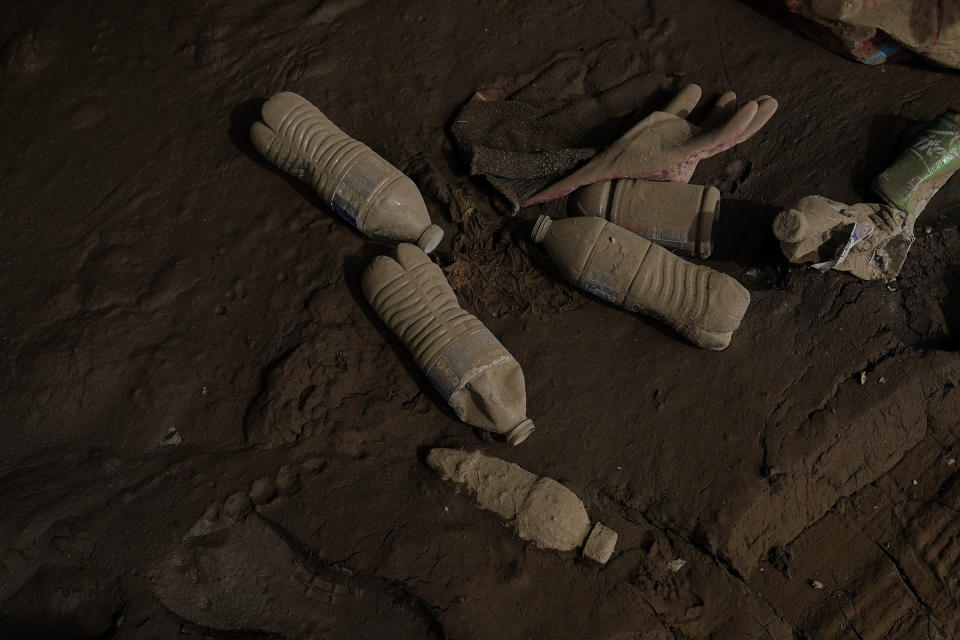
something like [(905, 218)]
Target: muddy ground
[(207, 433)]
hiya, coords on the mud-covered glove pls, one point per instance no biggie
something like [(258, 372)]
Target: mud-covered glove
[(665, 146)]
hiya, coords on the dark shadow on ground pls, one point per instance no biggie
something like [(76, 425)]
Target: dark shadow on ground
[(743, 234), (887, 136), (951, 307)]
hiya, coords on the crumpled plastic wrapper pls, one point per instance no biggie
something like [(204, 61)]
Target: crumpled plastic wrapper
[(870, 241)]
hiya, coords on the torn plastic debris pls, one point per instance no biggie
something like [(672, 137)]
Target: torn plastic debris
[(858, 231), (870, 241), (539, 509)]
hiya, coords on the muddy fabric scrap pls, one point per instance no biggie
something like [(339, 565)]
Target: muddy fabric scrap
[(871, 31), (529, 139)]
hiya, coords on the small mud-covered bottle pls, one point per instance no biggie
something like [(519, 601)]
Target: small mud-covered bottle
[(540, 509), (925, 166), (476, 375), (675, 216), (620, 267), (371, 194)]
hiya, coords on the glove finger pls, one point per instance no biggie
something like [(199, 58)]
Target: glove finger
[(723, 108), (713, 141), (684, 102), (582, 176), (766, 107)]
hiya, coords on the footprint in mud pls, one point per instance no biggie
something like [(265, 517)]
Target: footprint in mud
[(246, 574), (906, 586), (314, 385), (329, 11), (269, 496), (63, 602), (661, 576), (18, 55), (873, 604)]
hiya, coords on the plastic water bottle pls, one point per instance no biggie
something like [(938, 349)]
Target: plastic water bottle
[(673, 215), (368, 192), (540, 509), (620, 267), (923, 167), (476, 375)]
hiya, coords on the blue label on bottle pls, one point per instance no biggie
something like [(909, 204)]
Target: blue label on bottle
[(602, 291), (343, 213)]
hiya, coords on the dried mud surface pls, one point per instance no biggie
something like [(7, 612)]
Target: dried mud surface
[(207, 433)]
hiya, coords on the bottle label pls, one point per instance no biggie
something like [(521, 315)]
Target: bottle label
[(602, 290), (600, 276), (464, 359), (357, 185)]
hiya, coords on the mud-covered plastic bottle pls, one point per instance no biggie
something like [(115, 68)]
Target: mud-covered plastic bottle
[(619, 266), (676, 216), (371, 194), (540, 509), (923, 167), (476, 375)]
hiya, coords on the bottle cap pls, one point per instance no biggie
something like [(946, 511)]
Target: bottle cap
[(791, 226), (600, 544), (430, 238), (540, 229), (520, 432)]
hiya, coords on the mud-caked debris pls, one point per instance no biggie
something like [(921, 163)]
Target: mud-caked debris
[(476, 375), (540, 509), (676, 564), (676, 216), (923, 167), (172, 437), (360, 186), (531, 136), (619, 266), (666, 146), (600, 543), (872, 32), (870, 241)]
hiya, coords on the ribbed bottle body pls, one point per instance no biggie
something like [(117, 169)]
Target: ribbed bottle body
[(368, 192), (627, 270), (473, 371)]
